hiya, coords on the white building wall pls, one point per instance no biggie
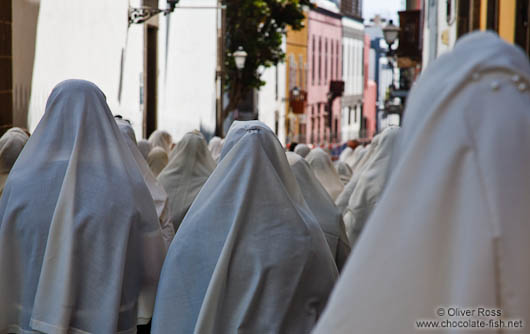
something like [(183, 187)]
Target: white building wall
[(73, 42), (444, 26), (352, 76), (271, 99), (187, 93)]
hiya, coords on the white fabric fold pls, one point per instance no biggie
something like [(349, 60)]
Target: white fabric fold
[(249, 256), (325, 172), (79, 234), (344, 171), (144, 147), (158, 194), (451, 228), (327, 214), (370, 184), (185, 174)]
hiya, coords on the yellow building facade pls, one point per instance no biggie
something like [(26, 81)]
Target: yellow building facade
[(296, 76), (509, 18)]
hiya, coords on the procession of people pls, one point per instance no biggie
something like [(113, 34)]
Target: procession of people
[(103, 233)]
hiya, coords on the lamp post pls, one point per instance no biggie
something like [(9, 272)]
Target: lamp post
[(391, 34)]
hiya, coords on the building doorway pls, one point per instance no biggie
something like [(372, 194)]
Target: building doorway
[(522, 26), (151, 89)]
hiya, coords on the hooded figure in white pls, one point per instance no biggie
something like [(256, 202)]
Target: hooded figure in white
[(327, 214), (354, 159), (161, 138), (250, 256), (302, 150), (369, 185), (325, 172), (11, 144), (144, 147), (157, 160), (215, 146), (158, 193), (79, 235), (185, 174), (346, 154), (364, 161), (451, 228), (344, 171)]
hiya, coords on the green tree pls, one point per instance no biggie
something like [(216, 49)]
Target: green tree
[(258, 26)]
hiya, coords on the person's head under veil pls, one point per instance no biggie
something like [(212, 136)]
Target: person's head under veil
[(215, 146), (320, 162), (344, 171), (157, 160), (327, 214), (249, 255), (185, 174), (302, 150), (11, 144), (451, 227), (161, 138), (79, 235)]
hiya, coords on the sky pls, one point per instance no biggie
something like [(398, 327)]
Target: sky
[(386, 8)]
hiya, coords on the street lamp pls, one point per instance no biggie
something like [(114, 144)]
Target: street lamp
[(138, 15), (391, 33), (240, 56)]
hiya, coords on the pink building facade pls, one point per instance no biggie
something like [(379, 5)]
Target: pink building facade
[(324, 58), (369, 115)]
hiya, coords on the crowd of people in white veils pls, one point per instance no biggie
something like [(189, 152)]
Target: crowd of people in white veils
[(101, 233)]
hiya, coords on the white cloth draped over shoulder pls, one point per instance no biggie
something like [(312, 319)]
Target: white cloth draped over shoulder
[(356, 157), (346, 154), (370, 183), (158, 194), (325, 172), (144, 147), (302, 150), (185, 174), (364, 157), (215, 146), (451, 228), (327, 214), (157, 160), (161, 139), (11, 144), (249, 256), (79, 234)]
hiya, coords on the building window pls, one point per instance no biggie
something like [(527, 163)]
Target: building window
[(326, 62), (332, 56), (313, 64), (355, 114), (349, 115), (301, 69), (320, 60), (337, 49), (492, 20), (522, 25)]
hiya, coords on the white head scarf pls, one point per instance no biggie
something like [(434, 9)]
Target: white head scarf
[(158, 193), (344, 171), (186, 173), (325, 172), (144, 147), (327, 214), (451, 228), (215, 146), (249, 256), (162, 139), (369, 185), (157, 160), (11, 144), (354, 159), (79, 237), (302, 150)]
